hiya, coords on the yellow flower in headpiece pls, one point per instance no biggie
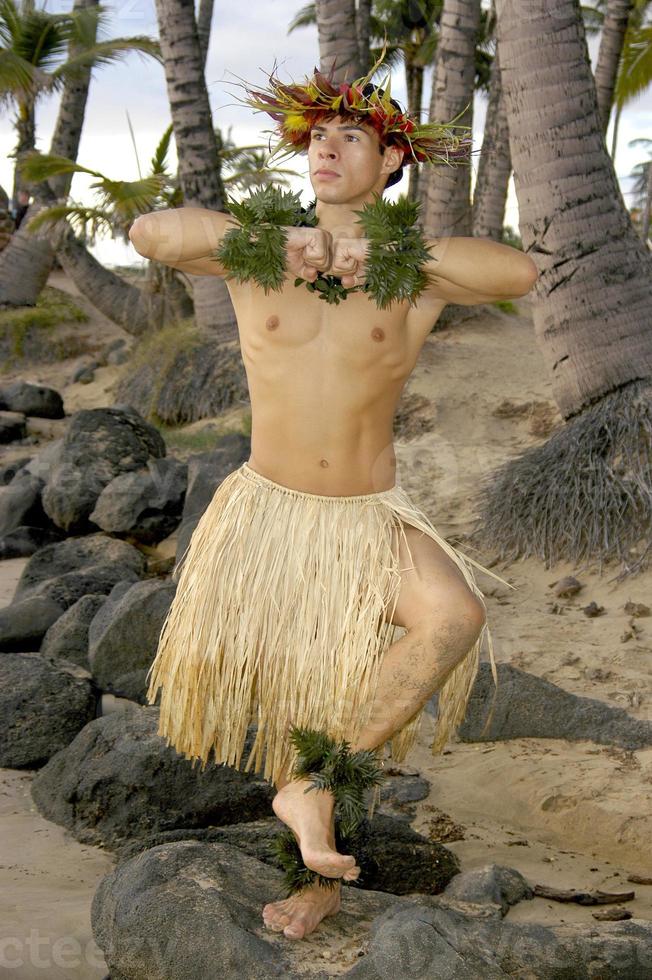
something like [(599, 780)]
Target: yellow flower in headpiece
[(295, 122)]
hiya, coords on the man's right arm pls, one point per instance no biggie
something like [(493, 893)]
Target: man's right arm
[(183, 238)]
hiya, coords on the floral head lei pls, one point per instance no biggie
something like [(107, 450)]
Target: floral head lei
[(297, 108)]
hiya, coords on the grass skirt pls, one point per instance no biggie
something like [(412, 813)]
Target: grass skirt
[(279, 619)]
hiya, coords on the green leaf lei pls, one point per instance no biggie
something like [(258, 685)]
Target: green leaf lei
[(396, 250)]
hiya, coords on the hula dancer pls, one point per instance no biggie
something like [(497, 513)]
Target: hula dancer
[(310, 554)]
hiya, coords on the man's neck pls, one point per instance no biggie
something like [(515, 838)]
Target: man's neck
[(336, 217)]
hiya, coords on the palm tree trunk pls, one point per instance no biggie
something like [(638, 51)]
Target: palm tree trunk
[(611, 46), (495, 165), (204, 18), (614, 134), (196, 147), (136, 310), (585, 495), (338, 39), (647, 207), (26, 263), (594, 292), (447, 189), (24, 124), (363, 25), (414, 81)]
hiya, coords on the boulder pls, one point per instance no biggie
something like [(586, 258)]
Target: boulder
[(146, 504), (527, 706), (23, 541), (205, 473), (123, 636), (99, 444), (31, 399), (67, 570), (12, 426), (43, 706), (67, 638), (23, 624), (118, 781)]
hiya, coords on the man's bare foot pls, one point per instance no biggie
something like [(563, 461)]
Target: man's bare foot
[(303, 911), (310, 816)]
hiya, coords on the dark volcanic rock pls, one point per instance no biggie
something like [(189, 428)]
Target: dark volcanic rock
[(67, 638), (527, 706), (38, 400), (23, 624), (205, 473), (123, 636), (145, 504), (42, 708), (67, 570), (99, 444), (118, 780)]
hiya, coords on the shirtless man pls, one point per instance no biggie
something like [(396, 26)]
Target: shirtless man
[(324, 382)]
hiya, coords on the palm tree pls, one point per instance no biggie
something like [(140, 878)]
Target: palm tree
[(119, 202), (586, 494), (197, 150), (447, 190), (641, 189), (614, 28), (204, 18), (634, 69), (494, 165), (32, 61), (338, 39)]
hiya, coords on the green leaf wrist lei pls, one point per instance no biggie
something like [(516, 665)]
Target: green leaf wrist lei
[(396, 254)]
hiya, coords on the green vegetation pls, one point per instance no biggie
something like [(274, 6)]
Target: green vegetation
[(506, 305), (53, 307)]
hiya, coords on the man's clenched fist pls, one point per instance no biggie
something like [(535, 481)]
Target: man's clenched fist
[(313, 250), (308, 252)]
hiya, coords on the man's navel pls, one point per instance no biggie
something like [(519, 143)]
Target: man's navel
[(272, 322), (378, 333)]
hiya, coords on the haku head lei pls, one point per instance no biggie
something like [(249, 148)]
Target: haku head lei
[(297, 108)]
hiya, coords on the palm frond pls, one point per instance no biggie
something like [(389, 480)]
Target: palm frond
[(129, 198), (106, 53), (86, 222), (304, 17), (36, 167), (635, 70), (159, 160)]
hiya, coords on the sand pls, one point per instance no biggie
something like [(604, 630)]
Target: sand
[(567, 815)]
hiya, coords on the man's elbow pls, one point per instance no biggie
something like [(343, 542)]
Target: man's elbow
[(528, 277), (140, 235)]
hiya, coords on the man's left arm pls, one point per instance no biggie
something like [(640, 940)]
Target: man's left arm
[(462, 267), (460, 270)]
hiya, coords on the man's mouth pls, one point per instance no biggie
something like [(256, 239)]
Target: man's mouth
[(326, 173)]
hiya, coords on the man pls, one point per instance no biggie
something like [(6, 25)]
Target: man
[(310, 554)]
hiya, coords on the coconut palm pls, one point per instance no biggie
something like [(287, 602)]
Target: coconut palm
[(634, 66), (586, 494), (118, 204), (338, 39), (641, 189), (204, 18), (41, 51), (26, 72), (447, 190), (614, 28), (197, 150)]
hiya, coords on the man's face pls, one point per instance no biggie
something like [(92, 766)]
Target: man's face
[(351, 151)]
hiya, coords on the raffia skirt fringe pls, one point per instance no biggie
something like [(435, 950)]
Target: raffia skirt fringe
[(281, 616)]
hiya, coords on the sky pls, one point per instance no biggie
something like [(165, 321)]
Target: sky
[(134, 89)]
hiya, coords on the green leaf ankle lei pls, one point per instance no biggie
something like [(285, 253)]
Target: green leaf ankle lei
[(396, 250)]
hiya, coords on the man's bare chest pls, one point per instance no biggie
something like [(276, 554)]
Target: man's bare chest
[(295, 323)]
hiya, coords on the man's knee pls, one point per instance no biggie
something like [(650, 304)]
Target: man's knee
[(462, 617)]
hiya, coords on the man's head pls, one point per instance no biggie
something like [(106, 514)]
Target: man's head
[(348, 145)]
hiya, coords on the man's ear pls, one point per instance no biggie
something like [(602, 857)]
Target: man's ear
[(398, 154)]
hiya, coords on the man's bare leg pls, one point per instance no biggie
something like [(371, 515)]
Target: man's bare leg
[(409, 675), (443, 620)]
